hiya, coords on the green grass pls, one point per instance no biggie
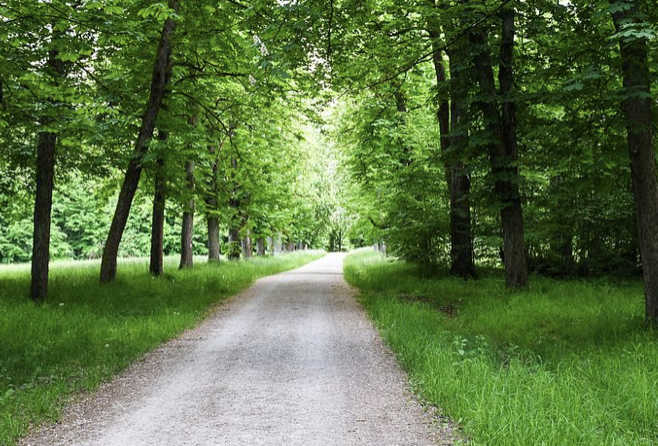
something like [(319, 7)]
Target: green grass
[(86, 333), (565, 362)]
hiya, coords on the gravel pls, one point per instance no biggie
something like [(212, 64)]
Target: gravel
[(291, 361)]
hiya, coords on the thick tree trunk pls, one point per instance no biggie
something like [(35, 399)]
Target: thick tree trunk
[(260, 246), (502, 151), (157, 229), (214, 245), (638, 114), (234, 243), (45, 181), (186, 252), (213, 221), (247, 247), (42, 213), (159, 82)]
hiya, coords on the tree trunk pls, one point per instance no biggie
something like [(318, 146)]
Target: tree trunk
[(213, 221), (233, 243), (159, 82), (45, 181), (638, 115), (260, 246), (186, 253), (42, 213), (461, 230), (247, 247), (2, 96), (213, 239), (157, 229), (502, 151), (459, 184)]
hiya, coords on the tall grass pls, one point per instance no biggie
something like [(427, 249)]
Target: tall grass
[(565, 362), (85, 333)]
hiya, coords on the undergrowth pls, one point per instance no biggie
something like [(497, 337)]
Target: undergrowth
[(86, 333), (565, 362)]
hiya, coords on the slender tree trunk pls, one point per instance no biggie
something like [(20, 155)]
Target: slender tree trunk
[(461, 229), (157, 229), (638, 114), (213, 221), (2, 95), (260, 246), (159, 82), (459, 184), (234, 247), (186, 254), (502, 151), (45, 181)]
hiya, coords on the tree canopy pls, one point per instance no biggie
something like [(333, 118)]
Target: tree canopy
[(460, 134)]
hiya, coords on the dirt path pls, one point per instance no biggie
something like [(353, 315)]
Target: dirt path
[(291, 361)]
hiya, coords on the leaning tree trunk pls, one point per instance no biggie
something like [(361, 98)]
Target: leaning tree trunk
[(45, 180), (637, 111), (157, 229), (186, 253), (159, 82), (211, 205), (502, 151)]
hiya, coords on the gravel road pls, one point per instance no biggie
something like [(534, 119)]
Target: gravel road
[(291, 361)]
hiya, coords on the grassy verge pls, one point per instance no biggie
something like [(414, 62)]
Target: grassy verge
[(565, 362), (86, 333)]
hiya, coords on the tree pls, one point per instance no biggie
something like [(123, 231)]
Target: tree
[(500, 122), (636, 105)]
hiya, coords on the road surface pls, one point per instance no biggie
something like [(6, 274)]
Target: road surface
[(291, 361)]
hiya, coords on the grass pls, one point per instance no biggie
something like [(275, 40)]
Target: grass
[(565, 362), (86, 333)]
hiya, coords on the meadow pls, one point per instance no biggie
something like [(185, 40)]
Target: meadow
[(86, 333), (563, 362)]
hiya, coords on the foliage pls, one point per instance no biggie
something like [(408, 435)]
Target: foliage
[(88, 333), (561, 363)]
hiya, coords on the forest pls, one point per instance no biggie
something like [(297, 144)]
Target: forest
[(503, 140)]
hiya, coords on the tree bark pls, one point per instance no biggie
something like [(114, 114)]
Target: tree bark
[(234, 248), (247, 246), (213, 221), (159, 82), (2, 95), (233, 243), (157, 229), (638, 115), (461, 229), (260, 246), (186, 253), (502, 151), (214, 245), (45, 181), (459, 184)]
